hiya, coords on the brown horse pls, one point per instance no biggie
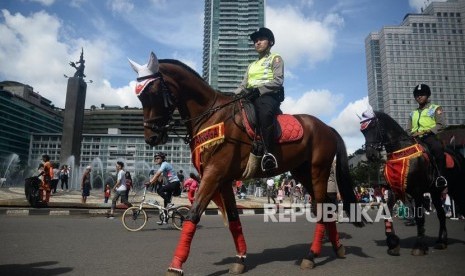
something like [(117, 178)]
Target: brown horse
[(221, 149)]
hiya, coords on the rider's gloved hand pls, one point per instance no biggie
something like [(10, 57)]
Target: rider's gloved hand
[(252, 94)]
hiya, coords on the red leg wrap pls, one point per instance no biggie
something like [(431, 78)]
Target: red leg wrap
[(184, 245), (236, 230), (388, 227), (317, 238), (333, 234)]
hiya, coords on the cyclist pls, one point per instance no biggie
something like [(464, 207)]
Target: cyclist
[(166, 176)]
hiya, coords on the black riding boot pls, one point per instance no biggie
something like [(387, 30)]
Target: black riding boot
[(268, 161), (441, 166)]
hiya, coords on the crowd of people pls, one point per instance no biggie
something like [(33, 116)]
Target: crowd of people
[(50, 175)]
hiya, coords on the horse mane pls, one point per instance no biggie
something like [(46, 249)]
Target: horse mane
[(192, 71), (183, 65), (390, 123)]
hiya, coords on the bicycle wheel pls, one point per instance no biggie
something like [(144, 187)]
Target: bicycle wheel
[(179, 215), (134, 219)]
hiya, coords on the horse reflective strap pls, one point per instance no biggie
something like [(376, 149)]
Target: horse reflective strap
[(225, 148)]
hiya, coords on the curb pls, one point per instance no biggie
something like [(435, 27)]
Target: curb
[(20, 212)]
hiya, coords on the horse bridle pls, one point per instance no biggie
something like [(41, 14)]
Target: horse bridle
[(381, 138), (379, 143), (168, 103)]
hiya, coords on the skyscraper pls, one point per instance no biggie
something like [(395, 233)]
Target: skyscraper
[(428, 47), (227, 49)]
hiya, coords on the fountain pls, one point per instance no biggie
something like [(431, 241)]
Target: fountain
[(97, 179), (75, 174), (11, 170), (141, 173)]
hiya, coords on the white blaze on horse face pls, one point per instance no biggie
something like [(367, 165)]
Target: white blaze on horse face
[(147, 69)]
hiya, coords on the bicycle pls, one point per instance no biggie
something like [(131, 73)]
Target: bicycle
[(135, 217)]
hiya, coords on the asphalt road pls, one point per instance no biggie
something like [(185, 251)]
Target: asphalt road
[(82, 245)]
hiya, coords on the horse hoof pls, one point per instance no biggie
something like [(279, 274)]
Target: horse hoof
[(340, 251), (419, 252), (307, 264), (237, 268), (394, 251), (174, 272), (440, 246)]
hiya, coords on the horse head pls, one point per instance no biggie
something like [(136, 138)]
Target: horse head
[(382, 132), (373, 132), (156, 99)]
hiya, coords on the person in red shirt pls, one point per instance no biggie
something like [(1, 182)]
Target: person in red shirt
[(107, 192), (191, 185), (47, 175)]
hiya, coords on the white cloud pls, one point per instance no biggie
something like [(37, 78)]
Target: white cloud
[(44, 2), (418, 4), (32, 52), (300, 39), (315, 102), (178, 24), (121, 5), (347, 124), (322, 103)]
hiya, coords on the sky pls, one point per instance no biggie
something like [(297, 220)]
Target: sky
[(322, 43)]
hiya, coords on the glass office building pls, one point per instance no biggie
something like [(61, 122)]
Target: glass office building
[(111, 134), (428, 47), (227, 49), (22, 112)]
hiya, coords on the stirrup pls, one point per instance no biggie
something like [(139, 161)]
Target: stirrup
[(441, 182), (269, 162)]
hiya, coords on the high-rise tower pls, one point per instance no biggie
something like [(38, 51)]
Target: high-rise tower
[(227, 49)]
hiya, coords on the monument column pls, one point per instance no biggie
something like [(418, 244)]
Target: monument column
[(74, 115)]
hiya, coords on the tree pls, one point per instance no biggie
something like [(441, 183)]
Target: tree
[(368, 172)]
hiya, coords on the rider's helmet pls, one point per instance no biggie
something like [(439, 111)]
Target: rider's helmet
[(263, 32), (421, 90), (161, 155)]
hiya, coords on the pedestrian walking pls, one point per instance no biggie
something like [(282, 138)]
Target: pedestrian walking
[(85, 184), (64, 175), (119, 188), (107, 192)]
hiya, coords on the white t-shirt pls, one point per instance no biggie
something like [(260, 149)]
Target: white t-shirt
[(270, 183), (121, 179)]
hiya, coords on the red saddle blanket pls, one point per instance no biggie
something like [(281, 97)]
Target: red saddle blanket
[(398, 165), (291, 128)]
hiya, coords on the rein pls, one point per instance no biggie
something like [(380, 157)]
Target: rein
[(381, 142), (171, 104)]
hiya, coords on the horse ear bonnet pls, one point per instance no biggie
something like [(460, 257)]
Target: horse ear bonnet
[(148, 69)]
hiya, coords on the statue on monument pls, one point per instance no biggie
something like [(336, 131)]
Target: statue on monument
[(79, 69)]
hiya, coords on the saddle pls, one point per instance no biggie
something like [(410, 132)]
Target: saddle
[(397, 166), (287, 127)]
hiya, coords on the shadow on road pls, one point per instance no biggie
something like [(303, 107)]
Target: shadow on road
[(36, 269)]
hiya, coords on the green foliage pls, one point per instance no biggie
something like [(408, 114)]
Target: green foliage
[(368, 173)]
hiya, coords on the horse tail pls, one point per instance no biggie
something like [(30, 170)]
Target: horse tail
[(454, 178), (343, 179)]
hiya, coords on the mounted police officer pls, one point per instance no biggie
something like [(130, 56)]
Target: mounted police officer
[(263, 82), (425, 122)]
